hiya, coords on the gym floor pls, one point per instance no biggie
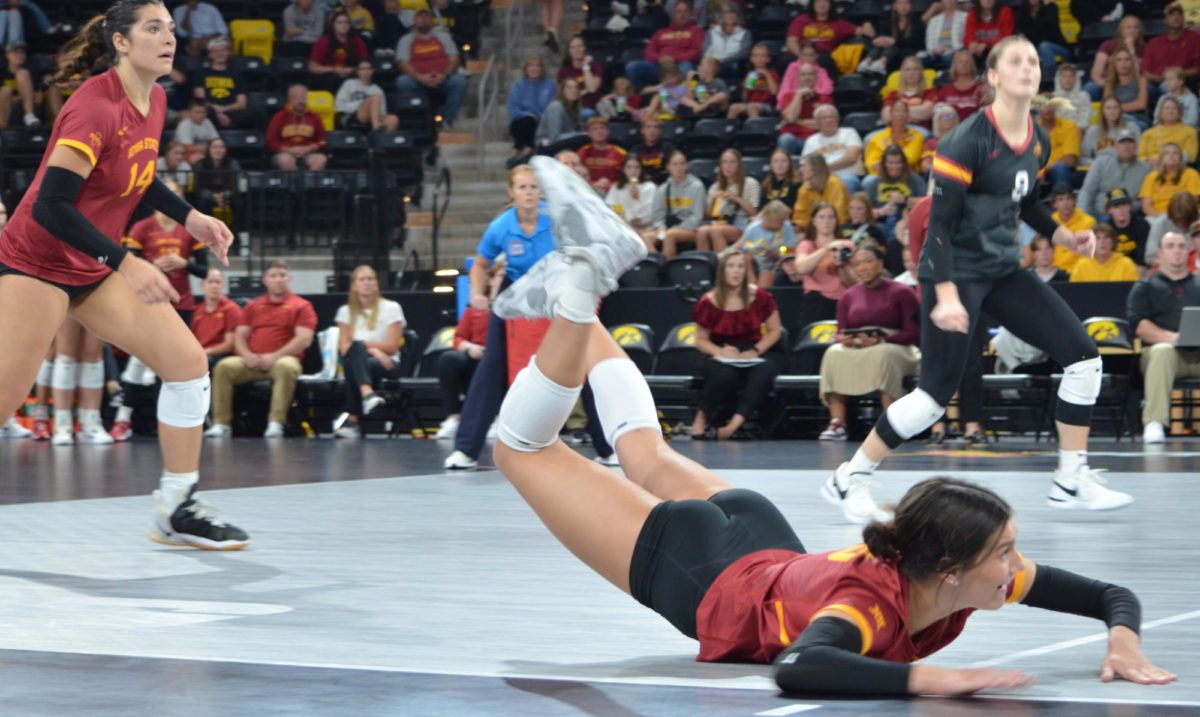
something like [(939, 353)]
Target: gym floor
[(379, 585)]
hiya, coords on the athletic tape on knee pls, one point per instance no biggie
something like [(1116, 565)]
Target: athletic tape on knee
[(184, 404), (63, 376), (623, 400), (45, 373), (1077, 392), (91, 374), (912, 414), (534, 410)]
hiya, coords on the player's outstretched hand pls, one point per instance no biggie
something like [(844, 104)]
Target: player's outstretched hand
[(950, 316), (1082, 243), (212, 232), (150, 284), (928, 680), (1126, 661)]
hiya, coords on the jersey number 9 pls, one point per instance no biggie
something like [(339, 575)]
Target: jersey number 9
[(1020, 186)]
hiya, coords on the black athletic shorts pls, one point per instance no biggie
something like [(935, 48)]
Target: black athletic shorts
[(73, 292), (685, 544)]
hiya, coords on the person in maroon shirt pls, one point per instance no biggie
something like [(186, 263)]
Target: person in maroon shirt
[(578, 64), (964, 92), (821, 26), (456, 366), (1177, 47), (215, 320), (759, 87), (736, 321), (336, 53), (681, 41), (603, 160), (164, 242), (297, 133), (988, 23)]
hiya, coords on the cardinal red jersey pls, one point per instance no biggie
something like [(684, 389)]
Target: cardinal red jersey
[(152, 240), (603, 163), (210, 328), (122, 146), (762, 602)]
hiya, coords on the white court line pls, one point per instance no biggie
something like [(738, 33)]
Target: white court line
[(789, 710), (1067, 644)]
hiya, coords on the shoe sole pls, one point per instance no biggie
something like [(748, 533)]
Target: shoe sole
[(462, 468), (1080, 505), (192, 541)]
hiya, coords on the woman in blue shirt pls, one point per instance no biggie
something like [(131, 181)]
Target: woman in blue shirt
[(527, 101)]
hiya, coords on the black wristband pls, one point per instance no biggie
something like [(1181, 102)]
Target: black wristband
[(160, 198), (1064, 591), (55, 210)]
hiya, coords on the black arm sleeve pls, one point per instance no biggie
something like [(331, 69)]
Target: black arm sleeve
[(1036, 214), (825, 660), (55, 210), (1064, 591), (198, 263), (944, 216), (160, 198)]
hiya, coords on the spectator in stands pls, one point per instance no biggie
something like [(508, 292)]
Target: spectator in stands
[(707, 95), (361, 19), (818, 185), (303, 22), (964, 92), (1066, 86), (678, 208), (337, 52), (222, 87), (808, 56), (1106, 264), (17, 86), (173, 165), (55, 94), (821, 266), (214, 321), (760, 88), (652, 149), (1037, 20), (1169, 129), (895, 187), (361, 104), (735, 321), (1064, 139), (896, 134), (945, 118), (860, 221), (1179, 47), (297, 133), (1012, 352), (1129, 35), (456, 367), (732, 203), (1101, 138), (1128, 86), (988, 22), (913, 91), (552, 14), (768, 240), (728, 43), (821, 26), (389, 28), (1174, 88), (1172, 175), (603, 160), (900, 33), (798, 105), (370, 334), (781, 183), (527, 102), (196, 23), (1130, 230), (1042, 252), (681, 41), (622, 104), (632, 196), (1119, 169), (841, 147), (274, 331), (572, 160), (195, 130), (944, 33), (561, 119), (579, 65), (1183, 211), (1154, 309), (876, 345), (669, 94), (215, 182)]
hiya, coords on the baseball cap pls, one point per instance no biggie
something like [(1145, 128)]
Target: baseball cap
[(1124, 133), (1118, 196), (1062, 188)]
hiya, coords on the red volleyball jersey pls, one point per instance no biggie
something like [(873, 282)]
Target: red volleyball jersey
[(152, 240), (122, 145), (762, 602), (210, 328)]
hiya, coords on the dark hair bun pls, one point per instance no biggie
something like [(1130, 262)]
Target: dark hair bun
[(881, 541)]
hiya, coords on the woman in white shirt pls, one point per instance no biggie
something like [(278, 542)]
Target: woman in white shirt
[(944, 33), (361, 104), (370, 333), (632, 197)]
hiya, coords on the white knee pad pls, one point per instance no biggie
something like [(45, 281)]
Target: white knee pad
[(914, 413), (623, 399), (1081, 382), (184, 404), (45, 373), (534, 410), (91, 374), (64, 374)]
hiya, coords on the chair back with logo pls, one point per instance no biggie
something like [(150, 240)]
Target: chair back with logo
[(638, 341)]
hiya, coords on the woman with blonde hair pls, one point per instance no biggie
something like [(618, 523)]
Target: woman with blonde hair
[(732, 203), (370, 334), (818, 185), (913, 91), (632, 196), (1171, 177), (1110, 125), (1130, 36), (1127, 84), (527, 102), (781, 183), (768, 240), (1170, 129)]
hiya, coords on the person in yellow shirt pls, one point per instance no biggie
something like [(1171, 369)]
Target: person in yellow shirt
[(819, 185), (361, 18), (898, 133), (1170, 128), (1106, 264), (1064, 138), (1070, 216), (1171, 177)]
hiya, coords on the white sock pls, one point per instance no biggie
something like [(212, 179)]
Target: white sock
[(1071, 461), (89, 418), (174, 487), (860, 463), (124, 413), (576, 303), (64, 420), (41, 413)]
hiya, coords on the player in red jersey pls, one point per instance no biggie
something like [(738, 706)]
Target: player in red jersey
[(59, 254), (722, 564)]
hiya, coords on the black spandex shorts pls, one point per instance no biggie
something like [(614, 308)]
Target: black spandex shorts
[(73, 292), (685, 544)]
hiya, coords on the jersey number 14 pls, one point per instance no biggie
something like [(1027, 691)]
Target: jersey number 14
[(140, 181)]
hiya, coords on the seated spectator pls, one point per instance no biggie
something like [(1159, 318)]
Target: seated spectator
[(964, 92), (1130, 230), (337, 52), (561, 119), (622, 103), (275, 330), (841, 147), (1066, 86), (1171, 176), (822, 266), (303, 22), (1038, 21), (1154, 309), (896, 134), (900, 34), (578, 65), (818, 185), (732, 203), (797, 106), (361, 104), (223, 88), (1118, 169), (1064, 139), (456, 367), (944, 33), (821, 26), (876, 345), (1179, 46), (16, 86), (707, 94), (728, 43), (1011, 352), (389, 28), (808, 56), (681, 41), (768, 240), (572, 160), (1106, 264), (195, 130), (1102, 137), (215, 320), (215, 183), (736, 321), (945, 118), (1174, 88), (1128, 86), (173, 165), (781, 182), (527, 102), (361, 18), (1067, 213), (760, 88), (196, 23), (669, 95), (914, 92), (894, 188), (678, 208), (166, 244), (860, 221), (1170, 129), (603, 160), (632, 195), (988, 22), (370, 334), (1183, 211), (1129, 36), (297, 133), (55, 92), (652, 149), (1042, 252)]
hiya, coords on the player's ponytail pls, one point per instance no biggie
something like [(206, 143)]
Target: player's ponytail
[(91, 51)]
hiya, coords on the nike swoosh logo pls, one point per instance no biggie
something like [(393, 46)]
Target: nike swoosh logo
[(1071, 492), (843, 493)]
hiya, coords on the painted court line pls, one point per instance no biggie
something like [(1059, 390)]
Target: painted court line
[(788, 710)]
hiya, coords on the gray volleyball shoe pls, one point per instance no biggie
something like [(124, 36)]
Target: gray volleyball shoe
[(536, 294)]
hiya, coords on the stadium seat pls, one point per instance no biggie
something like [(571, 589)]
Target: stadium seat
[(692, 269), (399, 154), (289, 70), (638, 341), (864, 11), (772, 22), (810, 345), (253, 37), (346, 149), (758, 135), (708, 138), (757, 167), (254, 71), (862, 122), (675, 132), (624, 134), (248, 147), (852, 93), (703, 169), (321, 102), (678, 355), (646, 274)]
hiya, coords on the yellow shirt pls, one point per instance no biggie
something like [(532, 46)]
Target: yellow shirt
[(361, 19), (912, 143), (1160, 193), (835, 194), (1080, 222), (1064, 140), (1154, 138), (1118, 268)]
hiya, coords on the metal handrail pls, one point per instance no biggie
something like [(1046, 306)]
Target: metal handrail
[(439, 211), (497, 72), (488, 103), (410, 256)]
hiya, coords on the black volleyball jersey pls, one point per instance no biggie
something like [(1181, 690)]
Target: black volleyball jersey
[(983, 186)]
